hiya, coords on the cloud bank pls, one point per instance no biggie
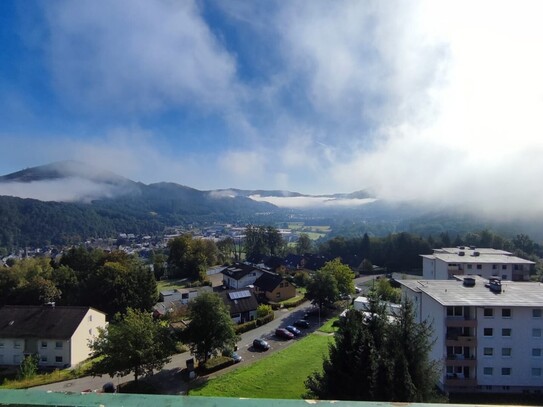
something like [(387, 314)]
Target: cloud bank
[(422, 101)]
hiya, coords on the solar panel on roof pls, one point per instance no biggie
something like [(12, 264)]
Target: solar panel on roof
[(239, 294)]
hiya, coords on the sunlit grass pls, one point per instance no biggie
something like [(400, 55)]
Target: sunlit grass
[(280, 375)]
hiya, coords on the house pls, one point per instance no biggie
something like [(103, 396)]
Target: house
[(59, 335), (274, 287), (488, 334), (174, 300), (240, 275), (241, 303), (444, 263)]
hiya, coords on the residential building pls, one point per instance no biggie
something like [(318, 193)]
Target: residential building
[(444, 263), (174, 300), (59, 335), (274, 287), (488, 334), (241, 303), (240, 275)]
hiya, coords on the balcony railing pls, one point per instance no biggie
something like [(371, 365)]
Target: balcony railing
[(460, 322), (460, 360), (457, 340)]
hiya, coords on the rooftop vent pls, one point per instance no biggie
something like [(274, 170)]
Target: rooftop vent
[(472, 247), (469, 282), (476, 254), (494, 285), (461, 253), (461, 247)]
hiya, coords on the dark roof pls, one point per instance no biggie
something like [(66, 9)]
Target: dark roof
[(294, 260), (273, 262), (268, 281), (240, 305), (239, 270), (23, 321)]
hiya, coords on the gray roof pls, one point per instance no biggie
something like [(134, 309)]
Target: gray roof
[(453, 292), (24, 321), (484, 255)]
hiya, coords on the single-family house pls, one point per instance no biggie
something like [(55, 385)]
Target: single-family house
[(274, 287), (59, 335), (241, 303), (240, 275), (174, 300)]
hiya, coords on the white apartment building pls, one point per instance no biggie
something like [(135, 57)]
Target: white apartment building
[(445, 263), (488, 334)]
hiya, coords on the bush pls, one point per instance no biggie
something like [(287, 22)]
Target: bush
[(295, 302), (216, 363), (247, 326), (263, 310)]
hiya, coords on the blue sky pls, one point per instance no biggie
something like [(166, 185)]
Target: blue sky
[(413, 100)]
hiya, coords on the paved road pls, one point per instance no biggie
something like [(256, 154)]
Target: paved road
[(169, 381)]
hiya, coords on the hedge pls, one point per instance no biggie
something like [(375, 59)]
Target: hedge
[(247, 326), (216, 363)]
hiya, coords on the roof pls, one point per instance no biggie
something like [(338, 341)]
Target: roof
[(23, 321), (453, 292), (475, 255), (239, 305), (239, 270), (268, 281)]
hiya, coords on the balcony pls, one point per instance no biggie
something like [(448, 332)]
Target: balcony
[(460, 322), (460, 360), (459, 381), (457, 340)]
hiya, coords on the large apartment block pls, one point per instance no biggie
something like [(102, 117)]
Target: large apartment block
[(445, 263), (488, 334)]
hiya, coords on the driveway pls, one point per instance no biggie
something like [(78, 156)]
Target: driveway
[(169, 381)]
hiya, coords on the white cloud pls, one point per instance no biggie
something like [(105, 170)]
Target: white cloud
[(137, 56)]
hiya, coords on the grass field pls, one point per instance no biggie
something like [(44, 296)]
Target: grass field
[(328, 327), (163, 285), (281, 375)]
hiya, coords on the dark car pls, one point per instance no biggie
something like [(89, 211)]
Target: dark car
[(283, 333), (293, 330), (261, 344), (236, 358), (109, 387), (302, 323)]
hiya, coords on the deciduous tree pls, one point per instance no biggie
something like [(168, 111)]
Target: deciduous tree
[(134, 343), (211, 330)]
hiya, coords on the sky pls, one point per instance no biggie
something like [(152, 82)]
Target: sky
[(438, 102)]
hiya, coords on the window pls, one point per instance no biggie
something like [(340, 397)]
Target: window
[(506, 332), (488, 351), (90, 318), (455, 311), (536, 352), (44, 344), (90, 331), (479, 267), (506, 312), (536, 313), (506, 352), (1, 345), (278, 295), (489, 312), (488, 371), (58, 359), (470, 266), (506, 371), (16, 345), (536, 332), (488, 332), (58, 344), (44, 358), (504, 266), (494, 266), (536, 371), (281, 285), (504, 276)]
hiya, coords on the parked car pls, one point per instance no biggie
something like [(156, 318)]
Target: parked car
[(109, 387), (261, 344), (293, 330), (283, 333), (236, 358), (357, 290), (302, 323)]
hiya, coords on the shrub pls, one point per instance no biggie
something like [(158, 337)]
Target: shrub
[(263, 310), (216, 363)]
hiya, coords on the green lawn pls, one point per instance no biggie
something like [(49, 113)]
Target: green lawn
[(327, 326), (163, 285), (281, 375)]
